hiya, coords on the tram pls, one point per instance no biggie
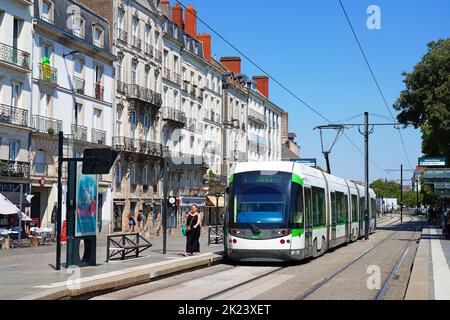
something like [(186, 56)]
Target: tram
[(286, 211)]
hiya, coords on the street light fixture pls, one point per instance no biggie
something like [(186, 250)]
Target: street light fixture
[(73, 52)]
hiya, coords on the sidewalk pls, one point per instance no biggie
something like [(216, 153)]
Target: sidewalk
[(430, 277), (28, 273)]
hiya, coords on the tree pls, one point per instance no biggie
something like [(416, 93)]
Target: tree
[(425, 103), (385, 189)]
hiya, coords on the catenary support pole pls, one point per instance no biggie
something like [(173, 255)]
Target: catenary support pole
[(401, 193), (59, 212), (165, 206), (366, 171)]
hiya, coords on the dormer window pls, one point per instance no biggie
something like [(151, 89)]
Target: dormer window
[(77, 24), (47, 11), (98, 36)]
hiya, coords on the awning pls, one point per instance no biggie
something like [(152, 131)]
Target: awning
[(211, 201), (7, 207)]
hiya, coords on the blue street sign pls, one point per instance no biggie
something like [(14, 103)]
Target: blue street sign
[(308, 162), (432, 162)]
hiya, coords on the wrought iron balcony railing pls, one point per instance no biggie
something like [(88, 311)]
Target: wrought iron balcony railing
[(78, 85), (172, 114), (98, 91), (48, 74), (80, 132), (166, 73), (135, 91), (149, 49), (15, 169), (47, 125), (122, 35), (136, 42), (14, 56), (138, 146), (158, 55), (13, 115), (256, 116), (121, 87), (98, 136)]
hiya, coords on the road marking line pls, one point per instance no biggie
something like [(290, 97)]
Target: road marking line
[(441, 270)]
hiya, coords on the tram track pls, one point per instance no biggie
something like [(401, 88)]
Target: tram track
[(322, 283)]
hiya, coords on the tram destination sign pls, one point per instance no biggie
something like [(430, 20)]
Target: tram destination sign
[(432, 162), (308, 162)]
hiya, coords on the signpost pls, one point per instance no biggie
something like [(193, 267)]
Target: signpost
[(308, 162), (428, 162)]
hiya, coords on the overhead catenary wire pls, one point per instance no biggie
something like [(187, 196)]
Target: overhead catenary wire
[(375, 79), (276, 81)]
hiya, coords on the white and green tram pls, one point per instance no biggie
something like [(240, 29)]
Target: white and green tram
[(281, 211)]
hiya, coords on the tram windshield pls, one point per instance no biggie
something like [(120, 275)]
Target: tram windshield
[(260, 198)]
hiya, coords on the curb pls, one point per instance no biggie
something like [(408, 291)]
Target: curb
[(118, 282)]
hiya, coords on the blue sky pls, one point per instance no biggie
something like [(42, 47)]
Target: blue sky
[(309, 47)]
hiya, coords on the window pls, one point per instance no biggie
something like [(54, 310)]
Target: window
[(135, 28), (133, 175), (148, 30), (121, 19), (156, 38), (354, 208), (144, 176), (341, 207), (147, 78), (297, 206), (119, 111), (16, 93), (97, 124), (14, 147), (362, 208), (47, 11), (118, 174), (133, 124), (98, 36), (98, 74), (146, 126), (76, 23), (134, 73), (318, 201)]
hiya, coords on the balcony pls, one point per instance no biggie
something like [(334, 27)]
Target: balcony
[(166, 74), (13, 115), (194, 125), (47, 125), (176, 117), (79, 132), (158, 55), (78, 85), (98, 136), (121, 87), (148, 49), (176, 78), (138, 146), (14, 57), (136, 42), (40, 170), (150, 148), (98, 91), (48, 74), (14, 169), (122, 35), (193, 90), (185, 85), (145, 95), (256, 117)]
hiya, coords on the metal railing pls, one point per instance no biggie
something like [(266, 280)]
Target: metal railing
[(40, 169), (47, 73), (78, 85), (122, 35), (256, 116), (166, 73), (13, 115), (121, 86), (138, 146), (98, 91), (98, 136), (173, 115), (47, 125), (125, 144), (158, 55), (14, 56), (135, 91), (136, 42), (149, 49), (80, 132), (15, 169)]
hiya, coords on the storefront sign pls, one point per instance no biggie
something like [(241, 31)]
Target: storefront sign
[(187, 202)]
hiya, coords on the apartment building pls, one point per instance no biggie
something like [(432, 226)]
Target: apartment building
[(72, 92), (15, 98)]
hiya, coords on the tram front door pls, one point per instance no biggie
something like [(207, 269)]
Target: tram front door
[(308, 222)]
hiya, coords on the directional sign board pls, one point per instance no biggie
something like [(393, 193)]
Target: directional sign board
[(432, 162), (308, 162)]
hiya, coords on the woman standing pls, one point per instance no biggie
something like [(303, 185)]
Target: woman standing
[(193, 223), (131, 222)]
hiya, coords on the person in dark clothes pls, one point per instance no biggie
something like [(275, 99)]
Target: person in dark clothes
[(193, 222)]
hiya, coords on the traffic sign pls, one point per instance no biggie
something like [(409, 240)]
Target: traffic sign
[(432, 162)]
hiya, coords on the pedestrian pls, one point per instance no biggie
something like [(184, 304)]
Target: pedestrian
[(430, 214), (193, 227), (139, 221), (131, 222)]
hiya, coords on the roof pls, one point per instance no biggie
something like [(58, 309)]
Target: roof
[(287, 154)]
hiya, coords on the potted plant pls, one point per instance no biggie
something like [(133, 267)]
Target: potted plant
[(100, 141), (51, 131)]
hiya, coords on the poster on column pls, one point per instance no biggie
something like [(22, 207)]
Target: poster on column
[(86, 206)]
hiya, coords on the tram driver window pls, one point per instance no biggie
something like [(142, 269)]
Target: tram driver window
[(318, 197), (297, 208)]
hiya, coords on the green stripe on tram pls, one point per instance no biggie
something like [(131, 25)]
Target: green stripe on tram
[(232, 178), (319, 227), (298, 232), (296, 179)]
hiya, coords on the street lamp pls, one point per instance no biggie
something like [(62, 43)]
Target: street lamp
[(73, 52), (218, 195)]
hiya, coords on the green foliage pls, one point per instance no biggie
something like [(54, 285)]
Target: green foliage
[(425, 103), (386, 189)]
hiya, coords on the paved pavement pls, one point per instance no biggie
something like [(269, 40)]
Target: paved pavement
[(27, 271), (430, 277)]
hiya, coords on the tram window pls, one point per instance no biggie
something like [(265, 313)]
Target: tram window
[(341, 207), (308, 207), (318, 197), (373, 205), (297, 208), (362, 207), (354, 208), (346, 212), (333, 208)]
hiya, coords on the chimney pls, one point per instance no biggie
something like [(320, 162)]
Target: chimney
[(177, 15), (206, 39), (190, 21), (165, 8), (262, 85), (232, 63)]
